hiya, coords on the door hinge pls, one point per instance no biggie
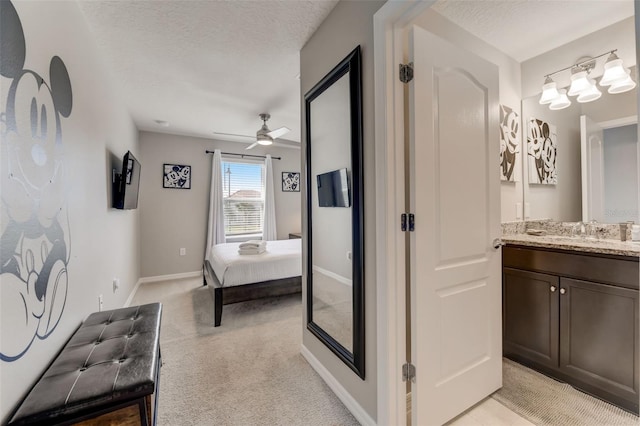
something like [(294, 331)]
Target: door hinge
[(406, 72), (407, 221), (408, 372)]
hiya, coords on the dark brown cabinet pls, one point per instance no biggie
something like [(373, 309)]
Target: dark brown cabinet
[(530, 315), (558, 321)]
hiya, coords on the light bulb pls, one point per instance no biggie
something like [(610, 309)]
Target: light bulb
[(613, 71), (622, 86), (549, 91), (561, 101), (590, 94), (579, 83)]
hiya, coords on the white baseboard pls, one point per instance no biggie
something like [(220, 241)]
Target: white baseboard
[(133, 293), (180, 276), (158, 279), (352, 405), (338, 278)]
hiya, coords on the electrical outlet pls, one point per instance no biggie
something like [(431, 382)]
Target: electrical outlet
[(183, 251), (116, 284), (100, 303), (518, 210)]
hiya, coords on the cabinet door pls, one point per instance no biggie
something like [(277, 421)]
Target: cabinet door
[(599, 338), (530, 316)]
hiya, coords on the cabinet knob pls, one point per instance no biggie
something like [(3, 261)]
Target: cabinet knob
[(552, 288), (563, 291)]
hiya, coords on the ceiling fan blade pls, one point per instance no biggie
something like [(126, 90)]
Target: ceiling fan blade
[(279, 132), (252, 145), (234, 134), (287, 143)]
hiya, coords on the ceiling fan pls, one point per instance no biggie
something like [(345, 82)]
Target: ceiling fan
[(263, 136)]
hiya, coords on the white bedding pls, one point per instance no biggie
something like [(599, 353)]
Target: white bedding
[(282, 259)]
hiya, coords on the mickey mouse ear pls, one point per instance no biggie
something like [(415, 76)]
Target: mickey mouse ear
[(60, 86), (12, 44)]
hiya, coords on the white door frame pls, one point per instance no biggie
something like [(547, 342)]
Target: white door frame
[(389, 27)]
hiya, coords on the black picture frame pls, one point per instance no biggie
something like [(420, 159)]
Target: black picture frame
[(176, 176), (290, 181), (350, 65)]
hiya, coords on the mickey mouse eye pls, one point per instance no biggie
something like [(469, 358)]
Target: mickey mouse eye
[(43, 122), (34, 117)]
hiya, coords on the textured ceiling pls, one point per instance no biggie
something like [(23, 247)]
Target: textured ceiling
[(213, 66), (524, 29), (207, 66)]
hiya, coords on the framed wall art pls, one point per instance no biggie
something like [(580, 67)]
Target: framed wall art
[(542, 146), (509, 143), (176, 176), (290, 182)]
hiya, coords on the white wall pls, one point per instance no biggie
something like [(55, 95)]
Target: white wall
[(177, 218), (102, 243), (349, 24), (509, 80)]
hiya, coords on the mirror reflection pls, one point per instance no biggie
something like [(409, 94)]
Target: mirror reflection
[(596, 159), (331, 266)]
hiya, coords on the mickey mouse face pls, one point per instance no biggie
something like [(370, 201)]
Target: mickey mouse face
[(36, 125), (33, 137)]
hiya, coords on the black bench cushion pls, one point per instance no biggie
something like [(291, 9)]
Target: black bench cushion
[(111, 358)]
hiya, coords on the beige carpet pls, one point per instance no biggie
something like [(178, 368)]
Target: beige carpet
[(248, 371), (544, 401)]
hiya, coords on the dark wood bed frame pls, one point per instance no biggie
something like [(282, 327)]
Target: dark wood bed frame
[(242, 293)]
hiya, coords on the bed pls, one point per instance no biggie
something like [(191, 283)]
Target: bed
[(238, 278)]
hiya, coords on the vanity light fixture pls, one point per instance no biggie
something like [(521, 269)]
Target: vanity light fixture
[(585, 88)]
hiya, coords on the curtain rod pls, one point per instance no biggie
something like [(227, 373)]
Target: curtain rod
[(243, 155)]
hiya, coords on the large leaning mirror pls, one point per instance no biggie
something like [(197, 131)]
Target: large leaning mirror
[(335, 227)]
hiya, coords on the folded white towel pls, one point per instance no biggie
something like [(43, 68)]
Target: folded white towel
[(247, 250), (253, 244)]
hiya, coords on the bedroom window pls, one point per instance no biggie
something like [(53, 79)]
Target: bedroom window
[(243, 193)]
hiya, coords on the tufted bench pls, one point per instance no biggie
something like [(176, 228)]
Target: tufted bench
[(108, 373)]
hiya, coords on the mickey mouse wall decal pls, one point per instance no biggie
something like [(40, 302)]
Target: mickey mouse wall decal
[(34, 233)]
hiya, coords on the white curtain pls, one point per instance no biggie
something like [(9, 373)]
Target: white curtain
[(269, 232), (215, 230)]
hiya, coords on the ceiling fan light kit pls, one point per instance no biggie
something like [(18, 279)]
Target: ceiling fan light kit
[(264, 136), (585, 88)]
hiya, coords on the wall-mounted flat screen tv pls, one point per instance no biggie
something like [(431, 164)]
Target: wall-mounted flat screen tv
[(333, 189), (127, 183)]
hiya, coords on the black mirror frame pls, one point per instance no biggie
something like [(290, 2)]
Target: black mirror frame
[(352, 65)]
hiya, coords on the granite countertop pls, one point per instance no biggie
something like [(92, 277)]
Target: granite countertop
[(620, 248)]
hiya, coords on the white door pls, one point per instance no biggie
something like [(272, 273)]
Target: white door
[(591, 138), (456, 297)]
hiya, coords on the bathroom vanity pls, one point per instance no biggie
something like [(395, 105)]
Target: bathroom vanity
[(570, 310)]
